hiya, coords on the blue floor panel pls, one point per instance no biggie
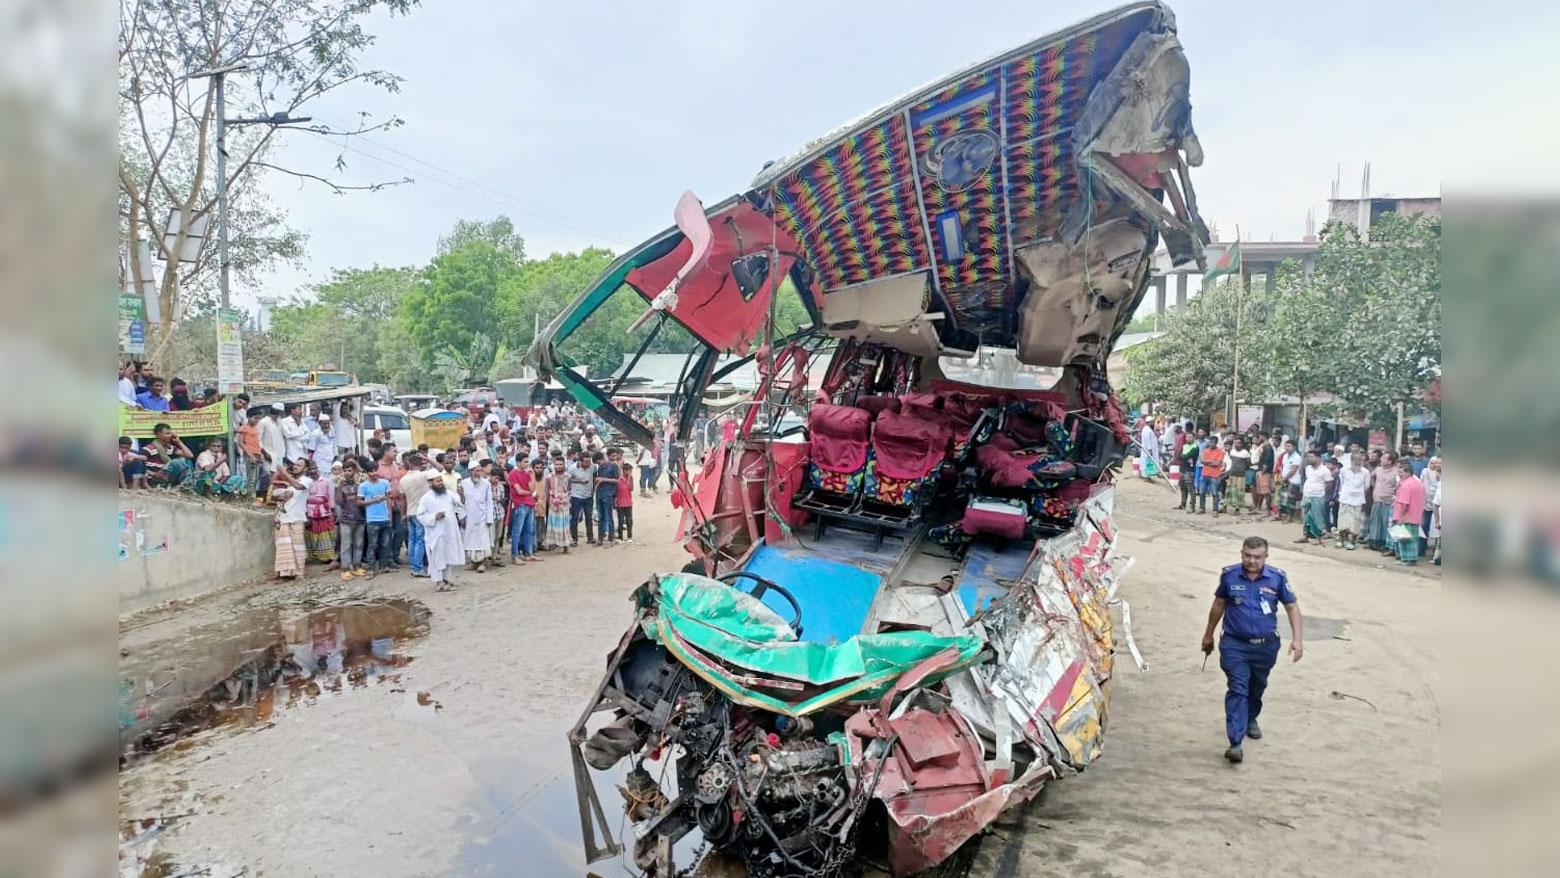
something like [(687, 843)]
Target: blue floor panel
[(835, 596), (987, 566)]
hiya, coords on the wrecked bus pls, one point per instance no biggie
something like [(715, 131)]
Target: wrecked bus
[(897, 618)]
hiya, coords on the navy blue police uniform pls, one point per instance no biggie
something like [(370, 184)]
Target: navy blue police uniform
[(1249, 646)]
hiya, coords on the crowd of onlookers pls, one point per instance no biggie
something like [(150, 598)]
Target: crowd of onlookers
[(1388, 501), (514, 486), (518, 482), (167, 459)]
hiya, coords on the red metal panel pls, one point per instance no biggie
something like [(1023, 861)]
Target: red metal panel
[(708, 300)]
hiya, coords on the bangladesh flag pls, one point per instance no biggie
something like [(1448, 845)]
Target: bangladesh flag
[(1227, 263)]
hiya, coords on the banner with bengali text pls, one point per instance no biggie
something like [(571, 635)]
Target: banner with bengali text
[(137, 423)]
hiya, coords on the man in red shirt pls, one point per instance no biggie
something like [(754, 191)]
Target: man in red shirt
[(522, 520)]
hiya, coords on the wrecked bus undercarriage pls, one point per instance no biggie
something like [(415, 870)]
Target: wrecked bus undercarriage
[(897, 623)]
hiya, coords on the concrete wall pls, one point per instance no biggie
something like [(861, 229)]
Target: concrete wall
[(173, 547)]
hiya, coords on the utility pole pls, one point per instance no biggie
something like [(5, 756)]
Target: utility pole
[(222, 206), (1240, 287), (218, 77)]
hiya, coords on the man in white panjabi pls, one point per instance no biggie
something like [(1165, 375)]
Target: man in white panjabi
[(477, 492), (1148, 445), (437, 511)]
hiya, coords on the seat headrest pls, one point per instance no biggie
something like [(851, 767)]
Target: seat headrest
[(908, 447), (839, 421), (878, 404)]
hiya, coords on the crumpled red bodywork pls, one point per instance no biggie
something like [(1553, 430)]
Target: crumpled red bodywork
[(709, 302)]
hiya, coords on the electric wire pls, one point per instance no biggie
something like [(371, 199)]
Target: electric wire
[(459, 182)]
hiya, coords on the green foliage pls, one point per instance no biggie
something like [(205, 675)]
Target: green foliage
[(499, 231), (400, 362), (1365, 326), (790, 313), (1145, 321), (469, 316), (456, 301), (1389, 347), (1190, 368), (542, 288), (602, 340), (342, 322)]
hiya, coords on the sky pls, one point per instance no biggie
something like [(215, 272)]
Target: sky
[(584, 123)]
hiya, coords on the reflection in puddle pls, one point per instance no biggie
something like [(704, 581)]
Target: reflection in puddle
[(241, 672), (535, 823), (139, 856)]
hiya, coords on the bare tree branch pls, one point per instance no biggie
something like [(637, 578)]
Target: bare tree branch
[(338, 188)]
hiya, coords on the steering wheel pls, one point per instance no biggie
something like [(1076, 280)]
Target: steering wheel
[(764, 586)]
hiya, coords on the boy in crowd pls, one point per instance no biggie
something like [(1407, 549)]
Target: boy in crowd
[(625, 504), (132, 466), (608, 470)]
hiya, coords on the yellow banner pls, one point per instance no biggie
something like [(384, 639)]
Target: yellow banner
[(137, 423), (441, 434)]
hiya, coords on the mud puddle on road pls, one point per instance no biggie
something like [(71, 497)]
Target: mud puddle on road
[(237, 674), (532, 827), (139, 856)]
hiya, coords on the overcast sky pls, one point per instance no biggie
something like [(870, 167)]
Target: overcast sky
[(584, 125)]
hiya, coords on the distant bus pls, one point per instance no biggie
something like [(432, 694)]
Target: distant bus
[(330, 379)]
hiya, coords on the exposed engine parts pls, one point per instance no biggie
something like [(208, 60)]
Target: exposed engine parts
[(757, 785)]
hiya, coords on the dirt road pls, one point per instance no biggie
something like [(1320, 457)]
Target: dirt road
[(449, 759), (1347, 778)]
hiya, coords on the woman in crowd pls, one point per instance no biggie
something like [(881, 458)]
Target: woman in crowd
[(320, 508), (557, 494)]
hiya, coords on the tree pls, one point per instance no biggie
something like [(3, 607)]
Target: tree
[(542, 288), (1365, 326), (1190, 368), (292, 52), (455, 301), (191, 352), (400, 360), (1146, 321), (499, 231), (1389, 288), (341, 324), (1301, 339)]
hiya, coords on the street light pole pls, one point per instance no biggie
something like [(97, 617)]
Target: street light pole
[(218, 77), (222, 194)]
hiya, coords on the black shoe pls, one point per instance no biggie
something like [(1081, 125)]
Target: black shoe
[(1234, 754), (1253, 731)]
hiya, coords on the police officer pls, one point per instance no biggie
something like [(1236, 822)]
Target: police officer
[(1247, 599)]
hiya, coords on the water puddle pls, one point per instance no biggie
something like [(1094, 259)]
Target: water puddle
[(241, 672), (535, 821), (140, 855)]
